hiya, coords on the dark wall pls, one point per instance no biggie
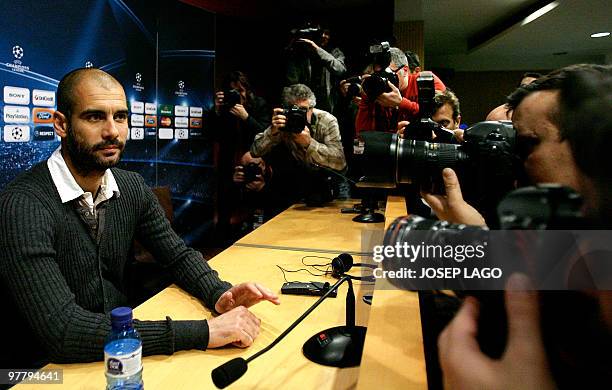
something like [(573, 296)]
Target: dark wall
[(480, 92), (254, 42)]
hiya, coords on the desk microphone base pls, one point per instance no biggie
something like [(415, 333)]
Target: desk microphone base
[(370, 217), (340, 346)]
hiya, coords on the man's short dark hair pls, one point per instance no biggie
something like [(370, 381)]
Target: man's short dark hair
[(68, 83), (413, 60), (586, 114), (553, 81), (447, 97)]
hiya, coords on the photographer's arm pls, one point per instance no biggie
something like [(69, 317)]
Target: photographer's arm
[(269, 138), (451, 207), (333, 61), (411, 108)]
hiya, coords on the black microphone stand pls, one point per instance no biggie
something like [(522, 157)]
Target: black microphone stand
[(340, 346)]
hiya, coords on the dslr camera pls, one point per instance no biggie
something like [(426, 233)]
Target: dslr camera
[(485, 162), (251, 170), (296, 119), (231, 97), (376, 84)]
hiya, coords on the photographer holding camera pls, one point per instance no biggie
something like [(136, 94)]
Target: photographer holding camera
[(382, 109), (301, 138), (556, 339), (312, 62)]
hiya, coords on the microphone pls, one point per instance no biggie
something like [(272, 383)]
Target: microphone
[(229, 372)]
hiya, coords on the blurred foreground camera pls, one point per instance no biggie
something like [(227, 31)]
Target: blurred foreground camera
[(296, 119), (485, 162)]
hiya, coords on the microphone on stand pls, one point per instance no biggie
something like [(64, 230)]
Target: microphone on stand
[(229, 372)]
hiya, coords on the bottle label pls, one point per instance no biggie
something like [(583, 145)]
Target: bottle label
[(121, 366)]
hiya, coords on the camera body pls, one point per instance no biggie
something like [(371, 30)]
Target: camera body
[(231, 97), (377, 83), (296, 119), (311, 33), (251, 170)]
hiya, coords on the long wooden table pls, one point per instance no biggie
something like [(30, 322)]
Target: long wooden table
[(256, 258)]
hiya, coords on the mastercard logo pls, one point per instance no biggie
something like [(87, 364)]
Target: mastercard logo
[(165, 121)]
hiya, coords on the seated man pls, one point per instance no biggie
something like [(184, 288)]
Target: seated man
[(300, 154), (66, 229), (400, 103)]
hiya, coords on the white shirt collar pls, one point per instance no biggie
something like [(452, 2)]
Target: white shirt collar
[(68, 188)]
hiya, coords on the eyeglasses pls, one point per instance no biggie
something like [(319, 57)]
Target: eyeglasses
[(398, 68)]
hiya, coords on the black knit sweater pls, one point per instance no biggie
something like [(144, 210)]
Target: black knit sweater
[(61, 285)]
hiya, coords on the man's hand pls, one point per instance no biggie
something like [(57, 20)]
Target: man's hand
[(239, 111), (309, 42), (218, 101), (401, 128), (303, 139), (244, 294), (238, 174), (278, 120), (451, 207), (524, 361), (238, 327), (390, 99), (256, 185)]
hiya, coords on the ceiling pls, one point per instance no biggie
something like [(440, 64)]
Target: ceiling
[(558, 38)]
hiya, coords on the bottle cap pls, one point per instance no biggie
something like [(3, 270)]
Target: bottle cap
[(121, 316)]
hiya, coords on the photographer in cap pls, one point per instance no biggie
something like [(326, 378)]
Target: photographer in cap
[(399, 103), (301, 138)]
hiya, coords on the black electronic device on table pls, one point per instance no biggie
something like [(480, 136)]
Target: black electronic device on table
[(307, 288)]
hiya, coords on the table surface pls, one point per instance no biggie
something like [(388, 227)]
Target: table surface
[(322, 229), (393, 316)]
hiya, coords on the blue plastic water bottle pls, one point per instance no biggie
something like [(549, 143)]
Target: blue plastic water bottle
[(123, 353)]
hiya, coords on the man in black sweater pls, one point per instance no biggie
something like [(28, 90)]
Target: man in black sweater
[(66, 229)]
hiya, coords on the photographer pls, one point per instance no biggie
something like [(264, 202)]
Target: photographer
[(300, 140), (259, 200), (556, 339), (238, 115), (400, 103), (239, 111), (312, 62)]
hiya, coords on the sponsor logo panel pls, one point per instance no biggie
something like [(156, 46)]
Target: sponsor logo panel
[(150, 109), (195, 111), (165, 109), (181, 121), (16, 95), (150, 121), (44, 133), (137, 133), (195, 123), (15, 133), (16, 114), (181, 110), (42, 115), (137, 107), (43, 98), (165, 133), (181, 133), (137, 120)]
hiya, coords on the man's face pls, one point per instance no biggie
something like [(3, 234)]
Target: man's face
[(444, 117), (324, 39), (546, 158), (97, 130), (237, 85), (402, 73)]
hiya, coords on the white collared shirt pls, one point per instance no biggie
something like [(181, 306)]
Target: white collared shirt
[(68, 188)]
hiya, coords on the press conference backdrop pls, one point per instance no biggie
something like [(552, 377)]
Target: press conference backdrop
[(163, 54)]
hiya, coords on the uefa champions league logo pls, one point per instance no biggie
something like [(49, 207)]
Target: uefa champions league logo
[(138, 77), (181, 84), (88, 64), (18, 52)]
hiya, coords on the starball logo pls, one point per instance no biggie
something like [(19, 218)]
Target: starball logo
[(17, 66), (181, 89), (138, 84)]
